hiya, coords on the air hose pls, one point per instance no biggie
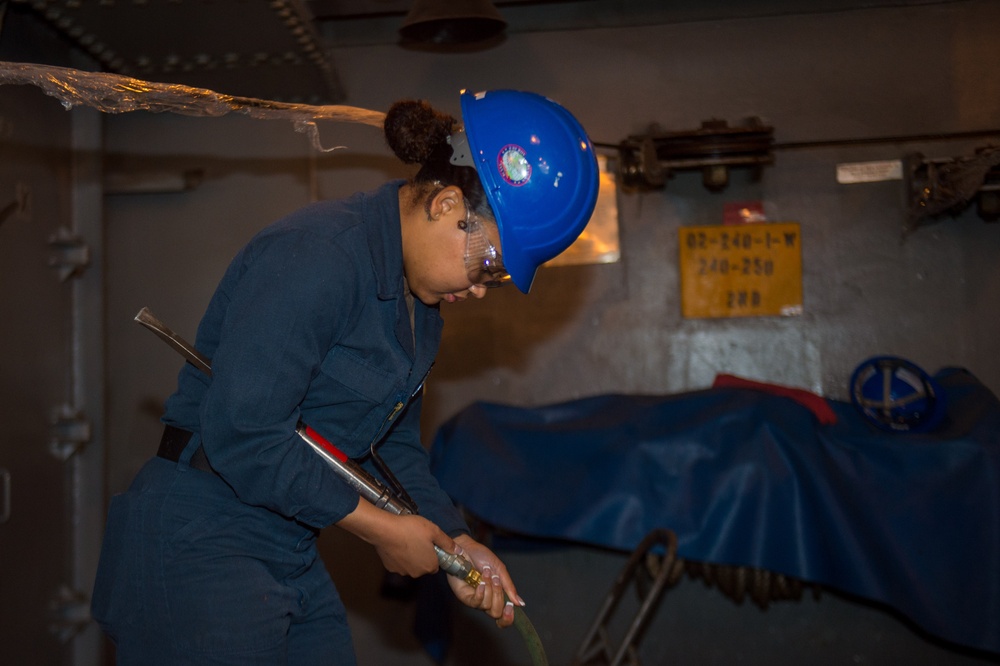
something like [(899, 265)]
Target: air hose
[(459, 567), (530, 637)]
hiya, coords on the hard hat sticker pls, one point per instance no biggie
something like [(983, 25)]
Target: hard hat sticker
[(513, 165)]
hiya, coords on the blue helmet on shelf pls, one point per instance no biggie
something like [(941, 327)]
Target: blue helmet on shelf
[(538, 169), (897, 395)]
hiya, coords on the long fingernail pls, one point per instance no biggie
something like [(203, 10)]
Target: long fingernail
[(520, 600)]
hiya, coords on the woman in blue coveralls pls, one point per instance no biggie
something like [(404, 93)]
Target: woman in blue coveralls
[(329, 317)]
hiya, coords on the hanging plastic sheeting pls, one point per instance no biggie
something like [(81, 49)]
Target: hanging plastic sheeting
[(746, 478), (114, 93)]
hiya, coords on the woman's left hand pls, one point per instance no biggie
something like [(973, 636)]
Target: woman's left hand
[(496, 594)]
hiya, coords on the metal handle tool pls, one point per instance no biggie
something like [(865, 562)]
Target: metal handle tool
[(356, 476)]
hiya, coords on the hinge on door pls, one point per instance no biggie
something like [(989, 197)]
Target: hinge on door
[(4, 495), (69, 613), (20, 205), (70, 255), (70, 432)]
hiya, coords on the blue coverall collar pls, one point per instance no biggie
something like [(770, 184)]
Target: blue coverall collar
[(386, 242)]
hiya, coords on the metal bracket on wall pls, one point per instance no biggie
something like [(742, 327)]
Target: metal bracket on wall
[(160, 182), (70, 432), (648, 160), (69, 613), (70, 254), (937, 187)]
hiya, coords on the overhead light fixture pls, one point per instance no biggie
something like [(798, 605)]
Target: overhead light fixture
[(452, 25)]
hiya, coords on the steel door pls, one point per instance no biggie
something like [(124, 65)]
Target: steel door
[(36, 422)]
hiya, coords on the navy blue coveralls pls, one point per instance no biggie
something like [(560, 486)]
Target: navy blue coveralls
[(309, 323)]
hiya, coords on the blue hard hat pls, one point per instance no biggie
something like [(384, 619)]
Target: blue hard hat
[(896, 394), (539, 171)]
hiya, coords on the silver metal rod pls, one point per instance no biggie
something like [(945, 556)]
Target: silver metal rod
[(190, 354), (356, 476)]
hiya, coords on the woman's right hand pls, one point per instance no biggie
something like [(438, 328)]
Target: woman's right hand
[(405, 544)]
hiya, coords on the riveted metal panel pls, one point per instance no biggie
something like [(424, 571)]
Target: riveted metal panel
[(269, 50)]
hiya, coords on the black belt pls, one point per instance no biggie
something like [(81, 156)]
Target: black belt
[(174, 441)]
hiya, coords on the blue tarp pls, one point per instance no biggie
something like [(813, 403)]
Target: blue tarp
[(748, 478)]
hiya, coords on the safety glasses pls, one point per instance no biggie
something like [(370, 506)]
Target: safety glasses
[(482, 259)]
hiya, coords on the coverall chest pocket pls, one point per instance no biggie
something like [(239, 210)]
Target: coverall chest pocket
[(357, 393)]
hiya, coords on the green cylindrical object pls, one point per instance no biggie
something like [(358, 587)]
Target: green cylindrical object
[(530, 637)]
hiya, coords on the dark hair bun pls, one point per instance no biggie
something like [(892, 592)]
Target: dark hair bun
[(415, 130)]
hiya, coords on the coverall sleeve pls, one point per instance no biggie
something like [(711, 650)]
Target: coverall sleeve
[(410, 464), (291, 303)]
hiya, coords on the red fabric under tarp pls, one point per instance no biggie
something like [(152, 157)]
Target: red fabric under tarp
[(817, 404)]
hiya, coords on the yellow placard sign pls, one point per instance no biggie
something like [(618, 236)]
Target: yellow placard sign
[(747, 270)]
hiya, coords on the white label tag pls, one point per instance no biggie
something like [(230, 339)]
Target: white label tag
[(869, 172)]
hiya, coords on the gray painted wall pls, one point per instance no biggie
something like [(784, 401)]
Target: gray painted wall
[(609, 328)]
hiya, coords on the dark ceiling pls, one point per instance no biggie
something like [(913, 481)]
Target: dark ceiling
[(282, 49)]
